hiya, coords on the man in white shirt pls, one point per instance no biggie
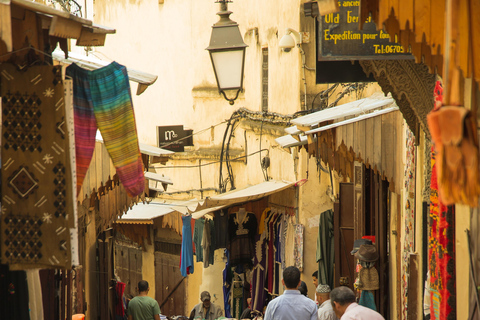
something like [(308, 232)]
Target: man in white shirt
[(325, 311), (345, 307)]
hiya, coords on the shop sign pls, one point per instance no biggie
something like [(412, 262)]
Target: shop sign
[(340, 38), (174, 138)]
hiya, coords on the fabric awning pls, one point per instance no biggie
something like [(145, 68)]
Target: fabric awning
[(146, 212), (142, 213), (353, 108), (247, 194), (92, 63)]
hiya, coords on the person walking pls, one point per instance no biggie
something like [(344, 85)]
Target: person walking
[(325, 310), (142, 307), (206, 309), (345, 307), (291, 304)]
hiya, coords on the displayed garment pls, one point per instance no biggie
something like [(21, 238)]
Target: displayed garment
[(237, 296), (278, 255), (326, 249), (186, 255), (208, 251), (227, 285), (258, 292), (119, 290), (37, 195), (290, 243), (35, 297), (198, 238), (220, 225), (271, 252), (102, 99), (298, 250), (242, 231), (441, 253), (367, 299)]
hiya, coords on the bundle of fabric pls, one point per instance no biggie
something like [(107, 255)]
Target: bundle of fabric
[(454, 132)]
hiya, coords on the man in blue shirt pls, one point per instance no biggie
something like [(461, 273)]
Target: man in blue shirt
[(291, 304)]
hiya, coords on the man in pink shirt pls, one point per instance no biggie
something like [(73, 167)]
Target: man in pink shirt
[(346, 308)]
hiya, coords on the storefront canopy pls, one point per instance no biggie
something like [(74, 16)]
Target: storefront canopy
[(353, 108), (145, 212)]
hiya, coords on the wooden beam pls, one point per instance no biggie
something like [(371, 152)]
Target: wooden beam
[(6, 25), (65, 28), (327, 6), (89, 38)]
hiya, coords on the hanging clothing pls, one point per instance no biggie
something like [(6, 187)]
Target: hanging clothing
[(119, 290), (220, 225), (198, 238), (227, 285), (258, 292), (186, 255), (326, 249), (261, 223), (242, 233), (290, 244), (298, 250), (208, 252), (271, 253), (441, 253), (35, 298), (105, 94), (367, 300)]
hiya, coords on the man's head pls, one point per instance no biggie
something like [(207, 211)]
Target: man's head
[(323, 293), (303, 288), (291, 278), (315, 278), (205, 297), (143, 286), (341, 298)]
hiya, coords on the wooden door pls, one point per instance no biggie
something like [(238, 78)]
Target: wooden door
[(344, 233), (128, 267), (169, 284)]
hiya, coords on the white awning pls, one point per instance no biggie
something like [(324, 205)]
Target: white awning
[(144, 148), (293, 130), (153, 151), (146, 211), (375, 113), (93, 63), (289, 141), (158, 177), (141, 213), (353, 108)]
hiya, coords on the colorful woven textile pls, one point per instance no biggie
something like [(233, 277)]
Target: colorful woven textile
[(37, 195), (409, 243), (441, 252), (103, 97)]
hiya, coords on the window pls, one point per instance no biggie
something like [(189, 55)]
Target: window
[(264, 79)]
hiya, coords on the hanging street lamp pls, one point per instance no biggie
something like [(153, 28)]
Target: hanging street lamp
[(227, 52)]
